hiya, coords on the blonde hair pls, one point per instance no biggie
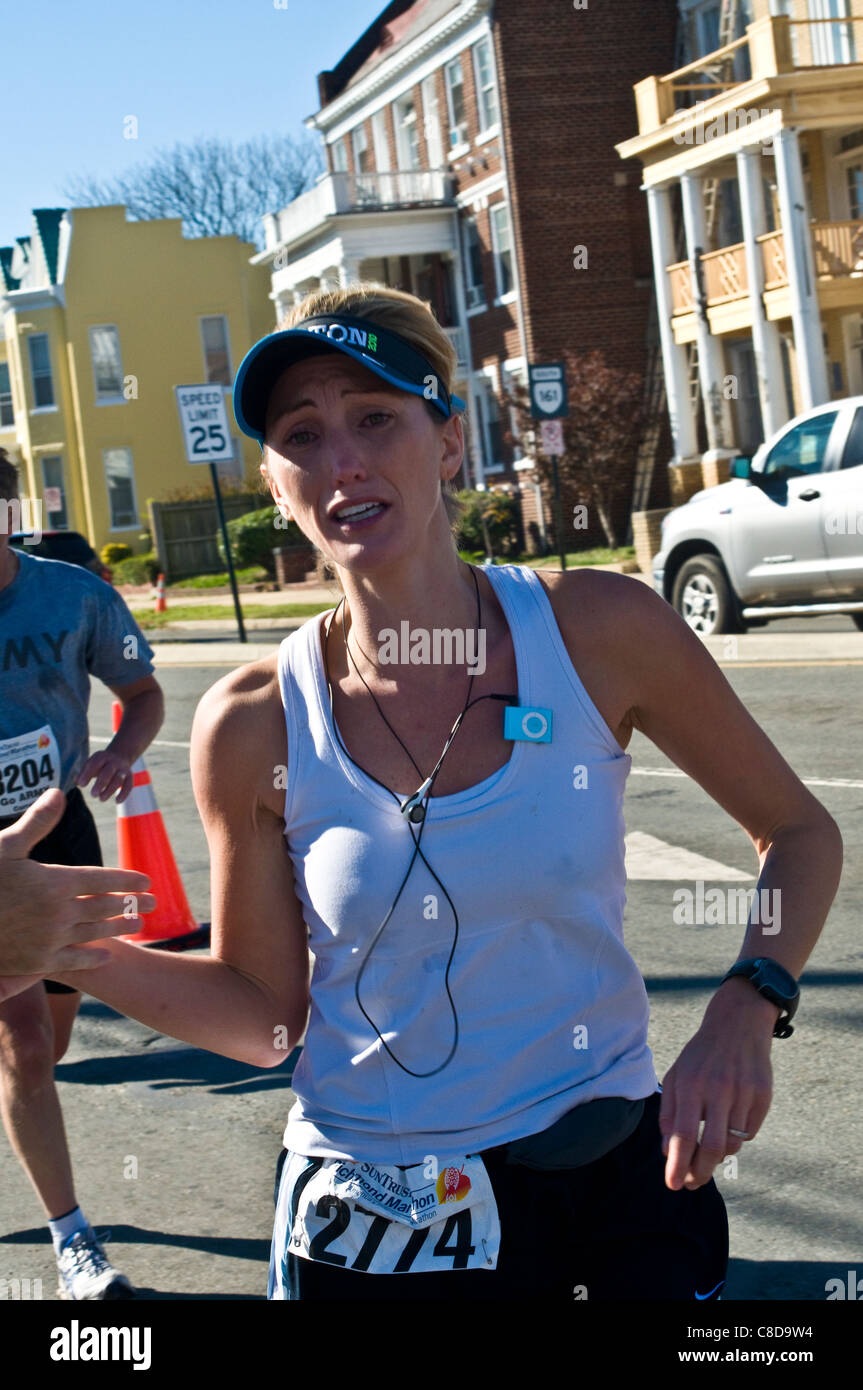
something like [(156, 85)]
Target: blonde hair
[(412, 318), (396, 310)]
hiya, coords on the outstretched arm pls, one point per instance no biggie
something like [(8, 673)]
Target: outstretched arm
[(683, 703), (249, 999)]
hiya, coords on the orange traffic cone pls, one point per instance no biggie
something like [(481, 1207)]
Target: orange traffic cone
[(143, 844), (161, 605)]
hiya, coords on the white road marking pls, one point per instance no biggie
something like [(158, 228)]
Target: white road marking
[(650, 858), (807, 781)]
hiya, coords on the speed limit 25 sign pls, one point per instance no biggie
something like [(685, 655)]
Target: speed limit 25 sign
[(548, 393), (204, 418)]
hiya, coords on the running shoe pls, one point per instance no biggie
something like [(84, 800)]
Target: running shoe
[(85, 1273)]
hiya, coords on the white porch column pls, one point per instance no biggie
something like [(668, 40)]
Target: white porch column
[(711, 359), (349, 271), (765, 335), (805, 316), (680, 412)]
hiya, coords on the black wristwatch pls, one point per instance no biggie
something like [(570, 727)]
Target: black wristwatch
[(776, 984)]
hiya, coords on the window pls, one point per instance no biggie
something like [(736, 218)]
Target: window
[(434, 144), (340, 157), (362, 153), (502, 244), (217, 354), (107, 367), (379, 137), (407, 134), (485, 88), (7, 414), (803, 449), (511, 379), (831, 43), (40, 370), (120, 481), (491, 429), (854, 180), (853, 456), (473, 264), (455, 103), (53, 492)]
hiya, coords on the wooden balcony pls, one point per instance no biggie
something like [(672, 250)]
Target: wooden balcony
[(770, 47), (838, 253)]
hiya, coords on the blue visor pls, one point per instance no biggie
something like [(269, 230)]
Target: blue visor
[(387, 354)]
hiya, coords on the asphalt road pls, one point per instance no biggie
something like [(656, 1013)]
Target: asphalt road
[(174, 1148)]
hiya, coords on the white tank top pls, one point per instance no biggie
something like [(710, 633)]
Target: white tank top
[(552, 1008)]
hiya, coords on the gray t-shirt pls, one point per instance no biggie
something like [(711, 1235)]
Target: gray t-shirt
[(59, 624)]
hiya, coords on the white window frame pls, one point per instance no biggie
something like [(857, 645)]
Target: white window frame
[(474, 294), (380, 141), (830, 43), (11, 423), (360, 145), (40, 409), (50, 458), (201, 321), (134, 524), (431, 122), (487, 128), (461, 143), (486, 393), (340, 156), (502, 296), (106, 397), (404, 148), (513, 374)]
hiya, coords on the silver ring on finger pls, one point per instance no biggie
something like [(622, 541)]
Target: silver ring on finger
[(740, 1133)]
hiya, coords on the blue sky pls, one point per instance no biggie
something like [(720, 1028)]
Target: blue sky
[(73, 71)]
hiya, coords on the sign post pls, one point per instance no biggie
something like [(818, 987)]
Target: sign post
[(549, 403), (207, 437)]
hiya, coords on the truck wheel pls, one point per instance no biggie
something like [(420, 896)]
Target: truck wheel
[(703, 597)]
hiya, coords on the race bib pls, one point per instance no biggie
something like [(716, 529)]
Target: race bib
[(385, 1220), (29, 765)]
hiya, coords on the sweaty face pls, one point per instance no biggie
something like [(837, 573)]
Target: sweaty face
[(356, 462)]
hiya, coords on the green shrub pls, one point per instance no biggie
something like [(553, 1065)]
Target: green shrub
[(501, 513), (137, 569), (254, 536), (114, 552)]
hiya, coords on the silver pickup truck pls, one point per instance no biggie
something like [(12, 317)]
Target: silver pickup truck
[(783, 538)]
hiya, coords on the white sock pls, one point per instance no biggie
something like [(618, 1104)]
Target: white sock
[(62, 1227)]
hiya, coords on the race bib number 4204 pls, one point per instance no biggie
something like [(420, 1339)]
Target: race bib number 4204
[(378, 1219), (29, 765)]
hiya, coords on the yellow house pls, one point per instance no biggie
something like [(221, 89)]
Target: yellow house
[(752, 153), (101, 319)]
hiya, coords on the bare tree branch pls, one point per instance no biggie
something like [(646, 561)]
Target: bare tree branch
[(216, 187)]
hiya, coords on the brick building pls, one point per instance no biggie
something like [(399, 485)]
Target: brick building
[(470, 149)]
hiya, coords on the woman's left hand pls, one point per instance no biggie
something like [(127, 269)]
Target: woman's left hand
[(723, 1076)]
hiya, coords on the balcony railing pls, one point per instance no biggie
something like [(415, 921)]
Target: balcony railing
[(837, 248), (345, 193), (770, 46)]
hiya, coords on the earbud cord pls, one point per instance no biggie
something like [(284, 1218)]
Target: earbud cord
[(417, 839)]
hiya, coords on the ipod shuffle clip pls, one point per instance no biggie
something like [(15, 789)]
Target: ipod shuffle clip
[(527, 722)]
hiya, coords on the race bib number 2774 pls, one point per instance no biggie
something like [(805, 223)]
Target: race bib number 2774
[(378, 1219)]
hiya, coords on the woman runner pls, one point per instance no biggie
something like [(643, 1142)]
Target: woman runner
[(424, 787)]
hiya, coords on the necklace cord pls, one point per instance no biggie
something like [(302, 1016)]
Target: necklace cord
[(417, 839)]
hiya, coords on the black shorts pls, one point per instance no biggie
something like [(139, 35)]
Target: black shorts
[(75, 841), (608, 1231)]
